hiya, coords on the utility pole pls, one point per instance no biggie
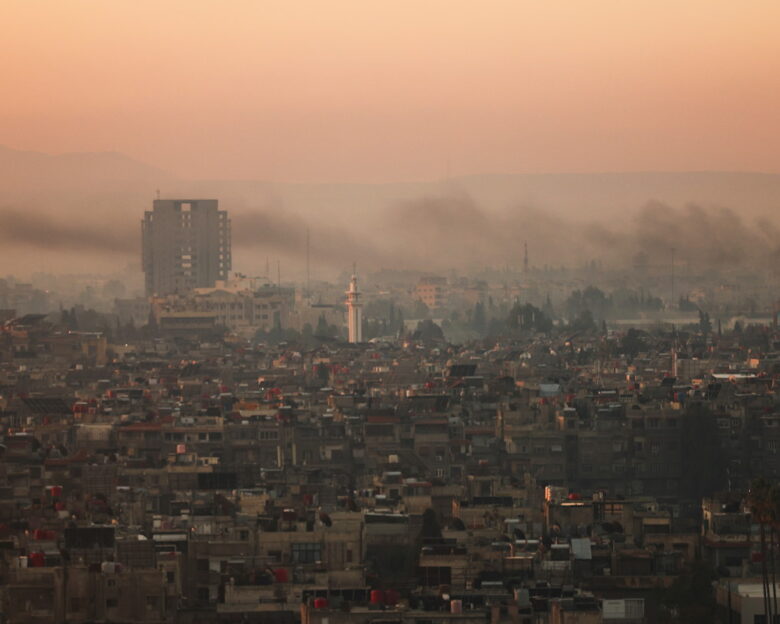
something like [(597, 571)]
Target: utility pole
[(308, 271), (673, 250)]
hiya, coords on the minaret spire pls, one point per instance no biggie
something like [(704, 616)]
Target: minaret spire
[(354, 309)]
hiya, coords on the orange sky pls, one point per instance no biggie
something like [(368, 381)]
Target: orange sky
[(363, 90)]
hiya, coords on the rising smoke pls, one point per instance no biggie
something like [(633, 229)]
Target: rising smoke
[(432, 233)]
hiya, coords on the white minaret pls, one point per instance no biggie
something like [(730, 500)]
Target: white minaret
[(354, 312)]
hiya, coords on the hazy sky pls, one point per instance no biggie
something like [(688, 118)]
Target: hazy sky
[(362, 90)]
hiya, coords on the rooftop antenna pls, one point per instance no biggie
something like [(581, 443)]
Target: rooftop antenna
[(267, 269), (158, 193), (279, 274)]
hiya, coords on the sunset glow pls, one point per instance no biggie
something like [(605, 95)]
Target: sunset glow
[(380, 91)]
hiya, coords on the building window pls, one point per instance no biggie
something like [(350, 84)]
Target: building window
[(112, 603), (275, 555), (306, 553)]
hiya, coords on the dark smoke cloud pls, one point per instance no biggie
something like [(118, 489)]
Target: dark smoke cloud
[(706, 237), (430, 233), (436, 233), (33, 230), (278, 232), (269, 231), (454, 231)]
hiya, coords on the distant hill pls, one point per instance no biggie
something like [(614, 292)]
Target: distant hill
[(29, 177), (468, 220), (80, 172), (580, 196), (610, 194)]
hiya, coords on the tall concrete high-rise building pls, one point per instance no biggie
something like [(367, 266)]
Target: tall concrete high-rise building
[(186, 244)]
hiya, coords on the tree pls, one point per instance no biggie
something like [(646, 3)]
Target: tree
[(107, 330), (596, 301), (705, 325), (774, 533), (633, 342), (322, 327), (592, 299), (761, 508), (547, 308), (584, 321), (428, 331), (690, 596), (69, 319), (530, 318), (323, 373)]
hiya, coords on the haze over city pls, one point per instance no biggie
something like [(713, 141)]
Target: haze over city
[(358, 119), (372, 312), (350, 91)]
